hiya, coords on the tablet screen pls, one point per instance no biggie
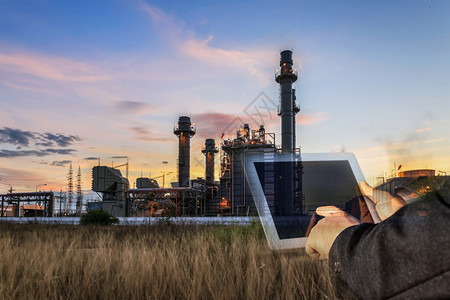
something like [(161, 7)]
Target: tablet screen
[(294, 189)]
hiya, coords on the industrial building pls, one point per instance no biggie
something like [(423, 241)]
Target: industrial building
[(416, 183), (230, 195), (39, 204)]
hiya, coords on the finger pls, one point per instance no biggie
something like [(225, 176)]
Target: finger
[(406, 193), (312, 253), (310, 250), (329, 211), (366, 189), (376, 195)]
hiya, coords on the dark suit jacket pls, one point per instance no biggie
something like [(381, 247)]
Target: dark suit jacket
[(407, 256)]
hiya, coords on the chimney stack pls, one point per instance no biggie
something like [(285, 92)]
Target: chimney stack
[(209, 151), (184, 131), (285, 77)]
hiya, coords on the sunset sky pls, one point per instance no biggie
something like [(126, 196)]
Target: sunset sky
[(86, 79)]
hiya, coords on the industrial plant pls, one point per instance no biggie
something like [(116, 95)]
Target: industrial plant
[(228, 195)]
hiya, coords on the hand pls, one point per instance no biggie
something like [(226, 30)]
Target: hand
[(322, 236), (385, 204)]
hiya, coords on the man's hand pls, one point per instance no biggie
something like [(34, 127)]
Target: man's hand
[(322, 235), (385, 204)]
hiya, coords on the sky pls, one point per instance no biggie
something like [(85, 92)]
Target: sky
[(87, 80)]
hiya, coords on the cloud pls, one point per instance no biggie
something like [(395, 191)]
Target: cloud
[(61, 163), (212, 125), (60, 151), (119, 156), (311, 119), (38, 153), (45, 144), (16, 136), (423, 129), (60, 139), (48, 67), (135, 107), (91, 158), (18, 153), (252, 61), (144, 134), (12, 176), (35, 140), (47, 139), (407, 148)]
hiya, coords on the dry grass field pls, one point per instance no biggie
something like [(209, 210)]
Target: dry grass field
[(152, 262)]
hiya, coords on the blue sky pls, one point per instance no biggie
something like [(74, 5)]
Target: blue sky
[(111, 77)]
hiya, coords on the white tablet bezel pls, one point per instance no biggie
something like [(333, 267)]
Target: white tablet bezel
[(273, 239)]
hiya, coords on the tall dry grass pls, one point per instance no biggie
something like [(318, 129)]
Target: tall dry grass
[(152, 262)]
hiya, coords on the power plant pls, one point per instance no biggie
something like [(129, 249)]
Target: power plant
[(229, 195)]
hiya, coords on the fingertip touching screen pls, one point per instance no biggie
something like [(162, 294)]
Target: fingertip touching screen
[(288, 191)]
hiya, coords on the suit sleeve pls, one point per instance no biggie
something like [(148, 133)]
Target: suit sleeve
[(406, 255)]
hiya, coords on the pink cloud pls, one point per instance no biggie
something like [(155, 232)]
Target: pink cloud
[(311, 119), (145, 134), (48, 67), (423, 129), (253, 61), (212, 125)]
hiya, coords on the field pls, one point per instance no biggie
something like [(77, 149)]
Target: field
[(153, 262)]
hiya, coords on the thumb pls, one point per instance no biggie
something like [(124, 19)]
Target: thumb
[(329, 211), (367, 190)]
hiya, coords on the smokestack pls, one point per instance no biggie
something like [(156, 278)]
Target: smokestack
[(296, 110), (184, 131), (285, 77), (209, 151)]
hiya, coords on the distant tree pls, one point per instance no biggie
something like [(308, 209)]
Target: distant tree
[(98, 217)]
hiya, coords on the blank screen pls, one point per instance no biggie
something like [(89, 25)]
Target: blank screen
[(294, 189)]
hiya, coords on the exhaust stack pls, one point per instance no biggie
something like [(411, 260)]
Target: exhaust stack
[(285, 77), (209, 151), (184, 131)]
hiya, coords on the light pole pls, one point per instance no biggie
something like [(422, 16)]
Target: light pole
[(39, 186), (164, 176)]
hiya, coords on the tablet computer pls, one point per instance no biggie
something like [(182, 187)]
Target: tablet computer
[(287, 189)]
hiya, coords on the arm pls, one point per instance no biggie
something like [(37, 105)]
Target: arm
[(406, 255)]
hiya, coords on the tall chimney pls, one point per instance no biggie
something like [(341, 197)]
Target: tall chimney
[(285, 77), (296, 110), (184, 131), (209, 151)]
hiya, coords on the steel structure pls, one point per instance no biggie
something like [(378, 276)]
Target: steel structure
[(69, 188), (79, 205), (138, 201), (234, 195), (15, 199)]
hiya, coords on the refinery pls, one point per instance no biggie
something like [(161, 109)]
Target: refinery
[(228, 195)]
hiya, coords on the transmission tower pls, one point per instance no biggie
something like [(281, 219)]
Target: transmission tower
[(79, 192), (70, 187)]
